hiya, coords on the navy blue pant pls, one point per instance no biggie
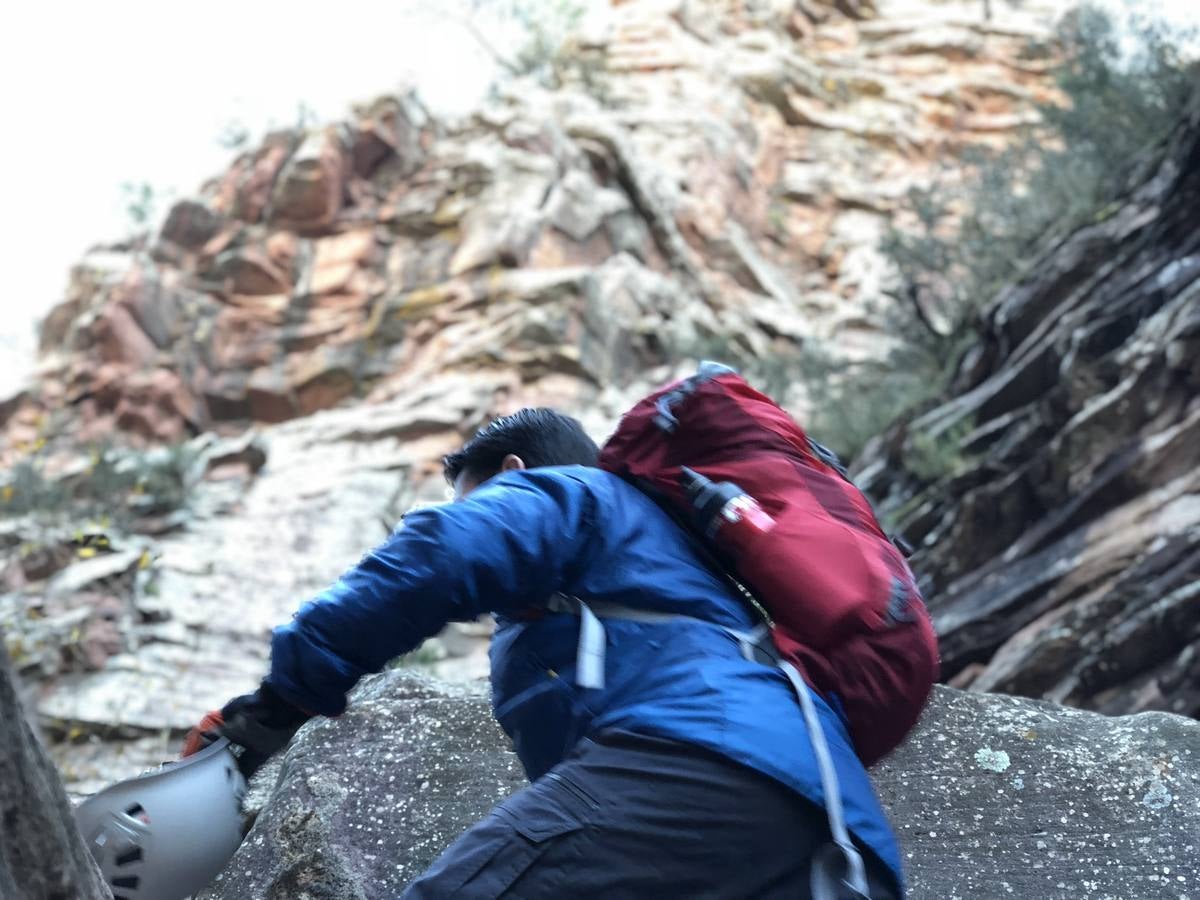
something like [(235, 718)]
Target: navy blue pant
[(629, 816)]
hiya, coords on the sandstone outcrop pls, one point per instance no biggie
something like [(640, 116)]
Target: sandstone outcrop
[(707, 171)]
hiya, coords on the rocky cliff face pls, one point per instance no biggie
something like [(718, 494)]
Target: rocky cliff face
[(708, 170), (1063, 554), (367, 293), (992, 797)]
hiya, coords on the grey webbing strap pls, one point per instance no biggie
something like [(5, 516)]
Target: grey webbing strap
[(838, 872), (590, 651), (828, 885)]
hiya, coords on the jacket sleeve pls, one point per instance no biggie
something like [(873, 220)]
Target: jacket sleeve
[(513, 542)]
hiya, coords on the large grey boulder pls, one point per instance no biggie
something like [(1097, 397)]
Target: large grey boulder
[(360, 805), (993, 797), (1002, 797)]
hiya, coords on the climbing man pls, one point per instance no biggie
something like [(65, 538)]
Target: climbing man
[(684, 770)]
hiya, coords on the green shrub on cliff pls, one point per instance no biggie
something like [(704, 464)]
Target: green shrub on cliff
[(980, 227), (961, 240), (99, 482)]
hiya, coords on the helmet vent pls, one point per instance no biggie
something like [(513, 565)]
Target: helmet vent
[(126, 881), (138, 812), (129, 856)]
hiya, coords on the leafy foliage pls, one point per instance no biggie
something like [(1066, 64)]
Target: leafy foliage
[(982, 225), (425, 655), (104, 483), (141, 201), (932, 457), (544, 49), (977, 233), (234, 135), (547, 24)]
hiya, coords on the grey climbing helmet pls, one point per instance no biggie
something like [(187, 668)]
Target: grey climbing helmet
[(167, 833)]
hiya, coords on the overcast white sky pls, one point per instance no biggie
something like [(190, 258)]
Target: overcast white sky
[(100, 94)]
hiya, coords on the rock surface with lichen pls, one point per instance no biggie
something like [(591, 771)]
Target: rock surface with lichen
[(359, 805), (992, 797)]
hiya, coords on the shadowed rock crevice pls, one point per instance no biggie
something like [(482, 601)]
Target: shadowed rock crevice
[(42, 856)]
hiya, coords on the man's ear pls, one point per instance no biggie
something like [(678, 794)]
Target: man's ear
[(512, 463)]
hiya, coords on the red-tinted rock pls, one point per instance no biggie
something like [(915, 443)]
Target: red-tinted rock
[(251, 271), (224, 396), (341, 264), (118, 338), (391, 128), (246, 337), (323, 378), (270, 396), (252, 182), (101, 634), (308, 193), (158, 406), (154, 302), (190, 225)]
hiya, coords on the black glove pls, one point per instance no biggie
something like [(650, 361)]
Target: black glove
[(261, 724)]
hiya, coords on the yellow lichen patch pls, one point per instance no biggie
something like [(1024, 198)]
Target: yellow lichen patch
[(449, 211), (419, 302), (374, 318), (497, 283)]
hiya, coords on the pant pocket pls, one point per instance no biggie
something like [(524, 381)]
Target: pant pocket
[(487, 859)]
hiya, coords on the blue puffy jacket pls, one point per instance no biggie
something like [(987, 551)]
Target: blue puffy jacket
[(524, 537)]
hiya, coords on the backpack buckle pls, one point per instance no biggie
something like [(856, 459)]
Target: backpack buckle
[(708, 370)]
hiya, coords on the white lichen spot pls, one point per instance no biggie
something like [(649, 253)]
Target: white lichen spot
[(992, 760), (1157, 796)]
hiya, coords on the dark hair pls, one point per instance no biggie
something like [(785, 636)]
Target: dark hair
[(541, 437)]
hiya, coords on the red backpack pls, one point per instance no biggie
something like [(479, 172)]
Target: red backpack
[(843, 604)]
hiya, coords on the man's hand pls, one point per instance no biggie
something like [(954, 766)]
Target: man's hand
[(261, 724), (203, 734)]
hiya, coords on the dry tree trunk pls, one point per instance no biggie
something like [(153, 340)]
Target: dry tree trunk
[(42, 856)]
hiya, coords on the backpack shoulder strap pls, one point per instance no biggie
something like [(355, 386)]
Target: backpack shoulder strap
[(705, 553)]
